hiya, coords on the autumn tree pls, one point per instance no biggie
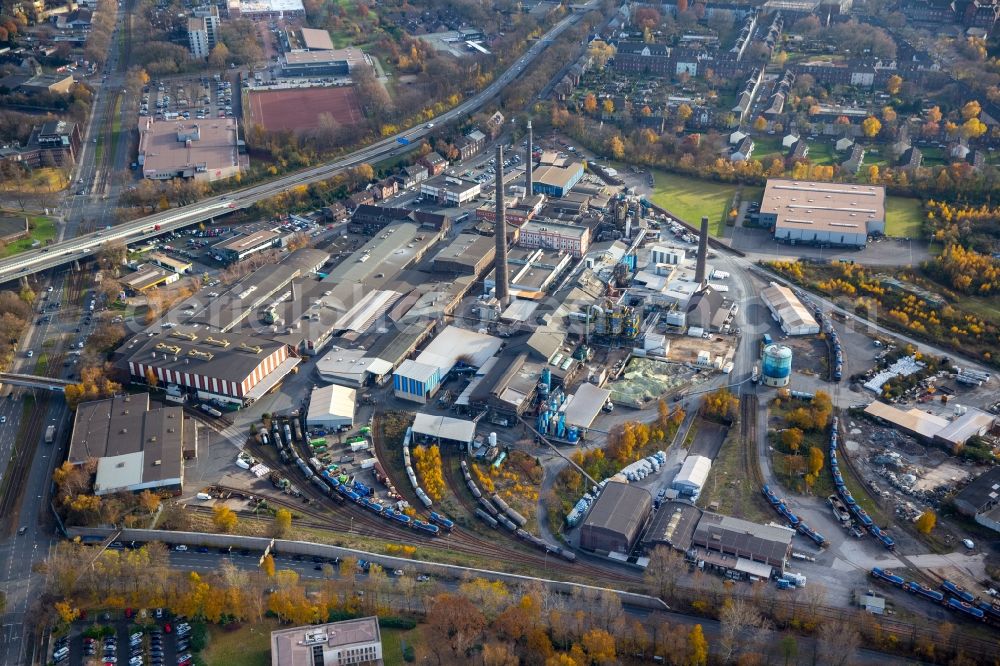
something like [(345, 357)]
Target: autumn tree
[(697, 652), (926, 521), (601, 52), (224, 518), (888, 114), (760, 123), (94, 385), (720, 405), (684, 113), (838, 641), (600, 646), (219, 56), (149, 501), (282, 523), (871, 126), (456, 622), (267, 565), (894, 84), (616, 147), (590, 103), (608, 106), (971, 109), (791, 439), (151, 379), (427, 465)]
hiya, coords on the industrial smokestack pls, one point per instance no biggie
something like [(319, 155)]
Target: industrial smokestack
[(699, 271), (528, 176), (500, 231)]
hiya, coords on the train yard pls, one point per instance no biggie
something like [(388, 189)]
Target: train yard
[(337, 502)]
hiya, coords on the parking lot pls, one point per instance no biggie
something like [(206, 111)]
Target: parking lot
[(147, 639), (207, 97)]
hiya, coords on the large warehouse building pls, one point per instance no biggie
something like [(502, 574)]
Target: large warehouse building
[(981, 499), (419, 379), (136, 448), (793, 317), (616, 519), (225, 367), (823, 213), (199, 149)]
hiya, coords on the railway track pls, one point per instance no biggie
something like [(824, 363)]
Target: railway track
[(322, 513), (15, 480), (748, 433)]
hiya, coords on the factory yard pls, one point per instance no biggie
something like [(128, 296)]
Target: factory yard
[(301, 108)]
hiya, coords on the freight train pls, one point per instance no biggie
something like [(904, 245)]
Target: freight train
[(958, 599), (859, 514), (836, 350), (797, 523), (497, 512)]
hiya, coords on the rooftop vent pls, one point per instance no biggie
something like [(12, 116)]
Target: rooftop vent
[(218, 343), (197, 353), (157, 463)]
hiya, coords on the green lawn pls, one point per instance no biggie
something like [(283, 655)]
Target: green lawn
[(43, 229), (250, 645), (904, 217), (823, 152), (767, 148), (690, 198)]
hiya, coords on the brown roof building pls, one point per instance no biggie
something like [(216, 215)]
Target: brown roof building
[(616, 519)]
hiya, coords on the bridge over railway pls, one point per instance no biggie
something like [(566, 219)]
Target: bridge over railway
[(34, 381)]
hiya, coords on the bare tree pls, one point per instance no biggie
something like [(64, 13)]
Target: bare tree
[(738, 617), (665, 568), (837, 642)]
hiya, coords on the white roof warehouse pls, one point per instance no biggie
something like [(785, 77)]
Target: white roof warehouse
[(792, 315), (823, 213)]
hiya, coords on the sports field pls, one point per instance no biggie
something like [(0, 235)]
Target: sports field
[(300, 108)]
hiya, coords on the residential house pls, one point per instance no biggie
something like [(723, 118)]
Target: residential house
[(385, 188), (799, 151), (854, 162), (360, 199), (743, 151), (472, 144), (412, 176), (435, 163)]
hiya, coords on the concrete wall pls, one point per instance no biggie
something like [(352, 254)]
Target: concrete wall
[(310, 549)]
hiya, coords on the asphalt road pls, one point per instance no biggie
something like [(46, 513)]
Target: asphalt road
[(20, 553), (77, 248)]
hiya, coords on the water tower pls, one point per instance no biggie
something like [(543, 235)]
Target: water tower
[(777, 365)]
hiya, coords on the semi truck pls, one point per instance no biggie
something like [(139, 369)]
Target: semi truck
[(50, 434)]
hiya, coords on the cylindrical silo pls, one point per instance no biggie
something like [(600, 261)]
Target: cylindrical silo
[(777, 365)]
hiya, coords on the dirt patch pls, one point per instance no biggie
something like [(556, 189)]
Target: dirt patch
[(708, 440), (685, 349), (810, 356), (301, 108)]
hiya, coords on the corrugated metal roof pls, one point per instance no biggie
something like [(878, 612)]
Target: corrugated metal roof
[(586, 404), (444, 427), (971, 423), (913, 420), (794, 316)]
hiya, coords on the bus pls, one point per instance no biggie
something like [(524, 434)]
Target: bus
[(462, 218)]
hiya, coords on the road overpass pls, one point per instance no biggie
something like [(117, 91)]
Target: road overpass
[(34, 381), (81, 247)]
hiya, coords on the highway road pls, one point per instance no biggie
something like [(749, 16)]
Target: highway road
[(74, 249)]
